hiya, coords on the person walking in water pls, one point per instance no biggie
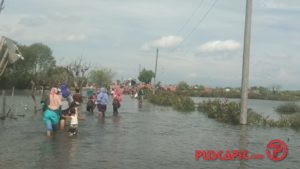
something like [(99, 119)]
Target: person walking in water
[(117, 98), (141, 94), (74, 116), (91, 103), (65, 104), (77, 97), (89, 91), (51, 115), (102, 100)]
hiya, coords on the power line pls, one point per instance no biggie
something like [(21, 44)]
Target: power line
[(197, 25), (189, 19)]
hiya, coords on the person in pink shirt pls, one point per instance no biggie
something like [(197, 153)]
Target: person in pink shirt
[(117, 98)]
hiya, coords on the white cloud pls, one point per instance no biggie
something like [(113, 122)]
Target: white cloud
[(271, 4), (163, 42), (192, 75), (32, 21), (219, 46), (79, 37)]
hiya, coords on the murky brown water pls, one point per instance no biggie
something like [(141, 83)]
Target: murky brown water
[(147, 137)]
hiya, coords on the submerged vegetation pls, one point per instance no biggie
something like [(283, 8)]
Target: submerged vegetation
[(229, 112), (178, 102), (255, 92), (288, 108)]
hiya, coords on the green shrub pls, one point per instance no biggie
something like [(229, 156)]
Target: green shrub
[(183, 103), (162, 99), (180, 103), (229, 112), (288, 108)]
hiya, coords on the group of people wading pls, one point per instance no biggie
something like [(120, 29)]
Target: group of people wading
[(61, 106)]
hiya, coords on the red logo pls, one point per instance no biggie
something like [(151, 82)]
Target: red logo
[(276, 150)]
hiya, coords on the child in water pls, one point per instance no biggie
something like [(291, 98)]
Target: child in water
[(73, 130), (74, 116)]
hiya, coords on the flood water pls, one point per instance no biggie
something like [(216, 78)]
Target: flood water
[(140, 138)]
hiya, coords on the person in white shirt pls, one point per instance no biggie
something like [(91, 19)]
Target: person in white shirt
[(74, 116)]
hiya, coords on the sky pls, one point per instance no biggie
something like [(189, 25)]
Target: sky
[(199, 41)]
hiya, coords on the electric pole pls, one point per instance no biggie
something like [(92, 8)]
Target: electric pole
[(154, 81), (1, 5), (245, 71), (140, 69)]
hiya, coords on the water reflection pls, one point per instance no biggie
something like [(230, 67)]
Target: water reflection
[(101, 121), (115, 143), (116, 120), (73, 148), (57, 152), (147, 137), (243, 144)]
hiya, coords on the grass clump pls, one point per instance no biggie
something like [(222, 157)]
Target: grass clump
[(180, 103), (229, 112), (288, 108)]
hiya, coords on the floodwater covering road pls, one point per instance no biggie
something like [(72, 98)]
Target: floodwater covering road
[(139, 138)]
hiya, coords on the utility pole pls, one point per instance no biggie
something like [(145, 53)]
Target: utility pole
[(140, 69), (245, 71), (1, 5), (154, 81)]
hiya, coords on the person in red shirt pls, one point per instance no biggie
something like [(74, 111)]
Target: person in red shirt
[(117, 98)]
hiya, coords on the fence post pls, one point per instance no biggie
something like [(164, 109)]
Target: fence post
[(3, 104)]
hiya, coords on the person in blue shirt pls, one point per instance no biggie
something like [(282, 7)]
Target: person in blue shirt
[(102, 100)]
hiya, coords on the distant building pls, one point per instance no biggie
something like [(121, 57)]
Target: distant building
[(171, 88), (207, 90)]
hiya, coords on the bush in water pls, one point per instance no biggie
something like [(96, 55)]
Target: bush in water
[(229, 112), (183, 103), (180, 103), (288, 108)]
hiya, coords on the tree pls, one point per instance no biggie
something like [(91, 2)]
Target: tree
[(43, 58), (275, 88), (79, 70), (146, 76), (38, 59), (200, 87), (56, 75), (182, 86), (102, 77)]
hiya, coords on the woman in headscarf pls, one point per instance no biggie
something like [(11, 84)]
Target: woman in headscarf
[(66, 99), (65, 92), (54, 99), (102, 100), (51, 117), (117, 98)]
